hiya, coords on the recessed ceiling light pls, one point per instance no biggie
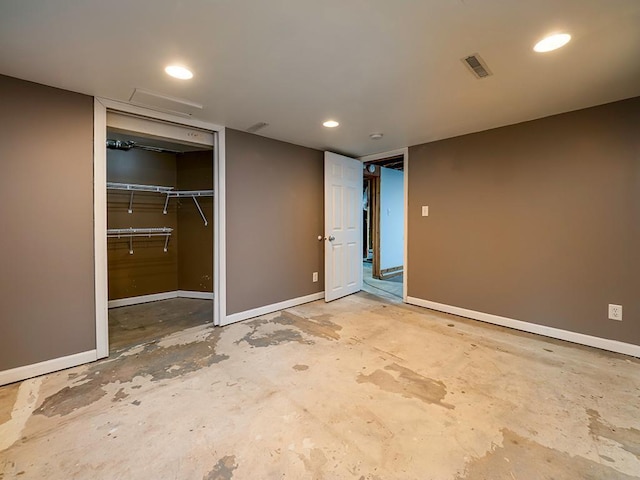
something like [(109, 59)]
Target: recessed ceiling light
[(330, 124), (177, 71), (552, 42), (375, 136)]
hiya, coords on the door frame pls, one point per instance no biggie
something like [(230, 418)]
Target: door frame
[(373, 226), (101, 105), (394, 153)]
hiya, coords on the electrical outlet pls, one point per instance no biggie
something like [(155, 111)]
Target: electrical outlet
[(615, 312), (315, 276)]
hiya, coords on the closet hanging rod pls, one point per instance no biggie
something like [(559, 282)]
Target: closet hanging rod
[(138, 232), (190, 193), (133, 187), (130, 233)]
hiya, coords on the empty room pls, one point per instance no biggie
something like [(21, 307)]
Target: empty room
[(359, 240)]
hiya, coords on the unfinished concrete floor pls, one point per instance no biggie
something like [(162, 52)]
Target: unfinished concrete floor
[(136, 324), (360, 388)]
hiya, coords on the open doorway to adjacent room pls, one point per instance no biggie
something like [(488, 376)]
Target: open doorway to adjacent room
[(383, 225), (159, 229)]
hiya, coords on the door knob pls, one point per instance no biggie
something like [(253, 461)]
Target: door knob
[(331, 238)]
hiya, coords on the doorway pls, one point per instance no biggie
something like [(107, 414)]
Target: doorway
[(384, 224), (160, 234), (149, 230), (159, 231)]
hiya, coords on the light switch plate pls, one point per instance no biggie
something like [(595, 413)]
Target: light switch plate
[(425, 211)]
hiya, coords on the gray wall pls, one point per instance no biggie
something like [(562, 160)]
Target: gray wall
[(538, 221), (46, 210), (274, 215)]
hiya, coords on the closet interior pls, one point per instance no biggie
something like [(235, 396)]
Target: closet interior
[(159, 236)]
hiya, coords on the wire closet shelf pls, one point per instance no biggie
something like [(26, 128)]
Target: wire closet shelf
[(132, 233), (168, 191)]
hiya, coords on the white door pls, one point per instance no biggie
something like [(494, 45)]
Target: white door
[(342, 225)]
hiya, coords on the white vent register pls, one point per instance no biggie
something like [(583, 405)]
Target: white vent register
[(477, 66)]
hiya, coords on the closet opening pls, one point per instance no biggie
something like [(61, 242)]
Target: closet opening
[(160, 207), (383, 225)]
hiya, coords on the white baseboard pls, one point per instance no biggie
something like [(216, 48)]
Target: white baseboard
[(395, 273), (256, 312), (191, 294), (580, 338), (154, 297), (28, 371)]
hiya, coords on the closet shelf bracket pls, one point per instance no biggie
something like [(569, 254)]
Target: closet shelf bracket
[(130, 233), (189, 193)]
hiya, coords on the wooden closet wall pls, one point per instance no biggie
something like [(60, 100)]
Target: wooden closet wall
[(188, 263)]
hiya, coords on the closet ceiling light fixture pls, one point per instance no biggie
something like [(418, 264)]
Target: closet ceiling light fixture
[(176, 71), (552, 42), (330, 124)]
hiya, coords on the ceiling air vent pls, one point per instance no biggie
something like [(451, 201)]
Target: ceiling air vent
[(258, 126), (477, 66)]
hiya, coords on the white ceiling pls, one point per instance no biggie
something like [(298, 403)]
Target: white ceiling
[(390, 66)]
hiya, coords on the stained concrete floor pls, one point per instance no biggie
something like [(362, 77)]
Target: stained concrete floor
[(362, 388), (146, 322)]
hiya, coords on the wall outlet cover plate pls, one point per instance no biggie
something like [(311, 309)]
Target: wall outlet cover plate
[(615, 312)]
